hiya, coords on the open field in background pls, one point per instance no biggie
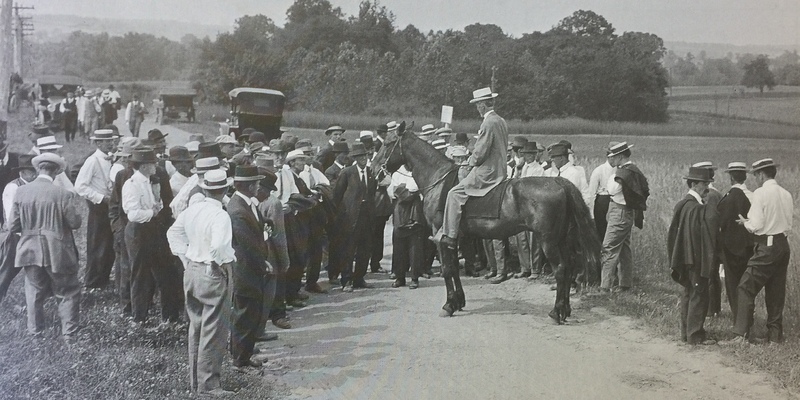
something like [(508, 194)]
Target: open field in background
[(785, 110), (681, 91), (664, 153)]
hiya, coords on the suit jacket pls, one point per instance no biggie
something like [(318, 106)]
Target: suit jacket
[(250, 268), (732, 236), (277, 247), (7, 174), (325, 156), (45, 215), (488, 158), (116, 214), (332, 173), (352, 198)]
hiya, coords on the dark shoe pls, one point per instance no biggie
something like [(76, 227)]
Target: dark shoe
[(301, 296), (363, 285), (520, 275), (379, 270), (414, 284), (426, 275), (266, 337), (490, 275), (499, 279), (315, 288), (296, 303), (247, 363), (398, 283), (282, 323)]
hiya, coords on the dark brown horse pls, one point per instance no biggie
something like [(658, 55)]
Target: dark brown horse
[(551, 208)]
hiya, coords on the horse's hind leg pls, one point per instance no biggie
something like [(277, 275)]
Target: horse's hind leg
[(561, 310), (461, 300)]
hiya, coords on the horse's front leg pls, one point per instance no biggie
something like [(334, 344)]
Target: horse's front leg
[(452, 304)]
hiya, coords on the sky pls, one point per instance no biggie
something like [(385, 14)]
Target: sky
[(739, 22)]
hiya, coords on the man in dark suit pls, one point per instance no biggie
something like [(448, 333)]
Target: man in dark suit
[(9, 162), (250, 268), (340, 151), (325, 155), (735, 243), (45, 215), (355, 195)]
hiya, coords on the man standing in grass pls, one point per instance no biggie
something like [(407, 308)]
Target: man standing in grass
[(691, 250), (769, 220), (201, 237)]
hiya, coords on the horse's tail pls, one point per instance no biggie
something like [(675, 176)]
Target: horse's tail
[(582, 243)]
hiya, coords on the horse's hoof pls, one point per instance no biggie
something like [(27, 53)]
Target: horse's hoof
[(445, 313), (554, 315)]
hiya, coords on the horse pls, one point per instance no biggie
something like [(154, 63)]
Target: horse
[(552, 208)]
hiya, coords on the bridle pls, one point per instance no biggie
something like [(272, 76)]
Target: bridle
[(422, 190)]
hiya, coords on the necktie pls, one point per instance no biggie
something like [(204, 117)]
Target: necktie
[(364, 178)]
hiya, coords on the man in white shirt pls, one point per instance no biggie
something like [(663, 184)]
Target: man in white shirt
[(601, 198), (202, 238), (182, 161), (134, 115), (559, 156), (769, 220), (94, 184)]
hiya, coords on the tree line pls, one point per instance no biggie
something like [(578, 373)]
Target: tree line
[(364, 64), (691, 70)]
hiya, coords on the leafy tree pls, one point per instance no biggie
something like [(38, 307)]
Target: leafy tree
[(757, 74), (789, 75)]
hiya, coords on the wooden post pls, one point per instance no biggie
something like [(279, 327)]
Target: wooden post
[(494, 79), (5, 60)]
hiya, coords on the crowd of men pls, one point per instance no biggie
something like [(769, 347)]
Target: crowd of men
[(237, 229)]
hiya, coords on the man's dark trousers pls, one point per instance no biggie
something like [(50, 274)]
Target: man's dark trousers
[(734, 270), (694, 308), (150, 270), (247, 314), (99, 246), (358, 248)]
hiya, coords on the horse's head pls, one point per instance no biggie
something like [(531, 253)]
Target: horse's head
[(390, 157)]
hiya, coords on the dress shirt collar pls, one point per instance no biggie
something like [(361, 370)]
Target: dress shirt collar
[(45, 177), (5, 159), (487, 114), (214, 202), (361, 171), (247, 200), (99, 154), (565, 166), (138, 176), (740, 186), (769, 182), (330, 142), (339, 165), (380, 139), (696, 196)]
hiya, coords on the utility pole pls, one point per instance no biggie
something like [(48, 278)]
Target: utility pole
[(5, 62), (494, 80), (22, 28)]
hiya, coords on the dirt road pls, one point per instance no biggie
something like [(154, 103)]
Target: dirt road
[(387, 343)]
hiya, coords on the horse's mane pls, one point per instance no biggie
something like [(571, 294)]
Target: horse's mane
[(426, 150)]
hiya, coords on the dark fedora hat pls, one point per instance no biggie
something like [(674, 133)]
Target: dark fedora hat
[(558, 149), (761, 164), (40, 129), (358, 149), (462, 137), (144, 155), (700, 174), (383, 128), (519, 142), (268, 182), (179, 153), (340, 147), (156, 135), (209, 149), (247, 173), (530, 147), (257, 137), (25, 162)]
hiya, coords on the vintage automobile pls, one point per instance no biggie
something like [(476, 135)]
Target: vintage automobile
[(50, 90), (178, 103), (260, 109)]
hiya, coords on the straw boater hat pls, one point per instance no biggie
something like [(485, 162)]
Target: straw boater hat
[(458, 151), (427, 130), (761, 164), (144, 155), (391, 126), (247, 173), (215, 179), (736, 166), (48, 157), (103, 134), (618, 148), (340, 147), (47, 143), (358, 149), (705, 164), (88, 93), (482, 94), (127, 145), (179, 154), (529, 148), (333, 128), (225, 139), (203, 165), (444, 132), (294, 155), (699, 174), (366, 138), (440, 144)]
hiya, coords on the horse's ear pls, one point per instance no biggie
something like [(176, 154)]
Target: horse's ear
[(401, 129)]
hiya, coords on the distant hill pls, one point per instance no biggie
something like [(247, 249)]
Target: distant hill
[(719, 50), (53, 28)]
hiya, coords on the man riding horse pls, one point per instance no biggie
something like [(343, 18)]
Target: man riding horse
[(488, 162)]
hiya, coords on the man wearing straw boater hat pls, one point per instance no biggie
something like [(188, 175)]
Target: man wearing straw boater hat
[(191, 191), (143, 234), (629, 190), (44, 217), (325, 155), (94, 184), (769, 220), (248, 280), (427, 133), (488, 160), (735, 242), (692, 253), (26, 173), (202, 238), (48, 144)]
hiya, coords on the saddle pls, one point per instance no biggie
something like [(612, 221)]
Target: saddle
[(487, 206)]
